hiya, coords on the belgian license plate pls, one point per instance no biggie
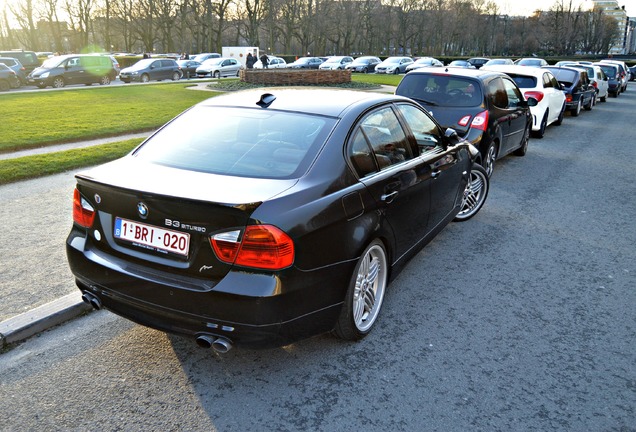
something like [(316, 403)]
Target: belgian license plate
[(152, 237)]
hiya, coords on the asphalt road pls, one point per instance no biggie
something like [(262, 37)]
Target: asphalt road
[(521, 319)]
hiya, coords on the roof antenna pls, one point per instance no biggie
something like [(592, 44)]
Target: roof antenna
[(266, 100)]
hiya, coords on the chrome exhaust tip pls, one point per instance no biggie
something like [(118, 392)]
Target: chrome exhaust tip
[(221, 345), (92, 300), (205, 341)]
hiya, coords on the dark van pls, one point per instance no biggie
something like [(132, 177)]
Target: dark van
[(28, 58), (73, 69)]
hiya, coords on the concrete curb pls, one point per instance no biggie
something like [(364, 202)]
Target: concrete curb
[(25, 325)]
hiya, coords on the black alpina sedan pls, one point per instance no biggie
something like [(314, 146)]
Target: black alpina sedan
[(258, 219)]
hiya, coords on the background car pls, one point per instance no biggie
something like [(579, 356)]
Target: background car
[(70, 69), (204, 56), (632, 72), (478, 62), (394, 65), (484, 107), (613, 74), (151, 69), (188, 68), (424, 62), (221, 225), (364, 64), (220, 67), (8, 78), (579, 93), (541, 85), (15, 65), (306, 63), (624, 72), (500, 61), (335, 63), (531, 61), (28, 59), (273, 63), (598, 80), (462, 64)]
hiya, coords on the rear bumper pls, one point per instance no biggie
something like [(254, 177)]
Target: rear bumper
[(249, 309)]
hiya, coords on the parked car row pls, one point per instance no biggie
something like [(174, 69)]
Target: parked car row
[(498, 106)]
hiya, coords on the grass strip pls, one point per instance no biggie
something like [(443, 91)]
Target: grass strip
[(27, 167), (36, 119)]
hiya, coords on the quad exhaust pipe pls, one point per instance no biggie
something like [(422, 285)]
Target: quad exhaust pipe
[(218, 344), (92, 300)]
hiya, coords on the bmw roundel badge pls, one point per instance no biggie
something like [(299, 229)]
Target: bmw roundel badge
[(143, 210)]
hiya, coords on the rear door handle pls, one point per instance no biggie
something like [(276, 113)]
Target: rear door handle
[(388, 198)]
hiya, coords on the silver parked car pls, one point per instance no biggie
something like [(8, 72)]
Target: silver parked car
[(394, 65), (219, 67)]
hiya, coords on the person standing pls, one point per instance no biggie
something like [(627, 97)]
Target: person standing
[(249, 61), (264, 60)]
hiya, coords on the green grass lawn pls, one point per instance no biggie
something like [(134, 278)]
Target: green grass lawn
[(37, 119)]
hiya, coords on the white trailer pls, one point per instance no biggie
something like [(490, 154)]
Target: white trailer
[(239, 52)]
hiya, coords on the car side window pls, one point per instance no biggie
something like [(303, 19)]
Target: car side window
[(547, 82), (427, 134), (497, 93), (513, 93), (378, 142)]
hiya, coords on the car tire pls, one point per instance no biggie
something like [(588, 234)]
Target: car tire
[(216, 74), (176, 76), (589, 106), (58, 82), (365, 294), (577, 110), (489, 160), (559, 120), (4, 85), (544, 123), (523, 149), (105, 80), (475, 193), (144, 78)]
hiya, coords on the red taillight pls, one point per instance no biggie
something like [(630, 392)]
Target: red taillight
[(262, 246), (534, 94), (568, 97), (464, 121), (480, 121), (595, 84), (83, 212)]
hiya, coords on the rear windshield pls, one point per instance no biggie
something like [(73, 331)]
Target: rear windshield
[(441, 90), (524, 81), (564, 75), (239, 142)]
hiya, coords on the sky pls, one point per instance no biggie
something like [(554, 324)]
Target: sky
[(527, 7)]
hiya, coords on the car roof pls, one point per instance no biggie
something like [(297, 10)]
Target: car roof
[(471, 73), (515, 69), (326, 102)]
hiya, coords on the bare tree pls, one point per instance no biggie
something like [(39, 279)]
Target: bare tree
[(24, 13)]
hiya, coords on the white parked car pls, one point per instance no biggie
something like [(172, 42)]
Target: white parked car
[(273, 63), (335, 62), (598, 79), (424, 62), (219, 67), (544, 87)]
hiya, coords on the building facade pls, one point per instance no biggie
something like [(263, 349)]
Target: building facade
[(611, 8)]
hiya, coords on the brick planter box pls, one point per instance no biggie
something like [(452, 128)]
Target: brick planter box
[(295, 76)]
